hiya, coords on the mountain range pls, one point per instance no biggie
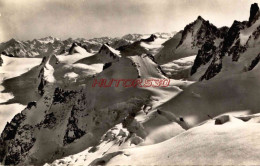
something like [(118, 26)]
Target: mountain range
[(209, 113)]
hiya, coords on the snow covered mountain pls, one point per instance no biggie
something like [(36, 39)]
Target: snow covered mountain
[(187, 42), (72, 103), (237, 53), (37, 47), (149, 44), (200, 145), (64, 113)]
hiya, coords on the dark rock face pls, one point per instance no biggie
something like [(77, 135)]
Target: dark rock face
[(31, 104), (72, 48), (1, 61), (233, 33), (43, 60), (204, 55), (18, 137), (4, 53), (61, 96), (218, 122), (8, 134), (256, 33), (107, 65), (150, 39), (227, 47), (41, 86), (254, 62), (151, 57), (73, 132), (11, 128), (16, 154), (48, 122), (236, 50), (253, 13), (209, 49), (222, 120), (223, 31), (41, 77), (214, 68), (10, 55)]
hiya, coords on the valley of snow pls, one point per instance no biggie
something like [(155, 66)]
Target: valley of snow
[(12, 67), (234, 142)]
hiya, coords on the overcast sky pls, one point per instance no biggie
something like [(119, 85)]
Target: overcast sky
[(29, 19)]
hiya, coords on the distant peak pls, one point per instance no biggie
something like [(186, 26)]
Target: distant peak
[(106, 47), (150, 39), (49, 38), (200, 18), (13, 41), (153, 36)]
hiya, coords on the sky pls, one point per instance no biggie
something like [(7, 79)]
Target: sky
[(30, 19)]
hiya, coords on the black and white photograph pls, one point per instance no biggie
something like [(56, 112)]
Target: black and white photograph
[(129, 82)]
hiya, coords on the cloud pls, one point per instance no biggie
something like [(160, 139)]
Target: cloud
[(23, 19)]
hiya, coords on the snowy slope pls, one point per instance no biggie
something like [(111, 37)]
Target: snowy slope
[(12, 67), (106, 54), (237, 91), (229, 143), (79, 54), (150, 125), (148, 44), (180, 68)]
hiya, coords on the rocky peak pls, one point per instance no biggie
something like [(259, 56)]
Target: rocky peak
[(108, 53), (232, 34), (13, 42), (229, 46), (199, 18), (104, 47), (200, 30), (204, 55), (72, 48), (223, 31), (254, 10)]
